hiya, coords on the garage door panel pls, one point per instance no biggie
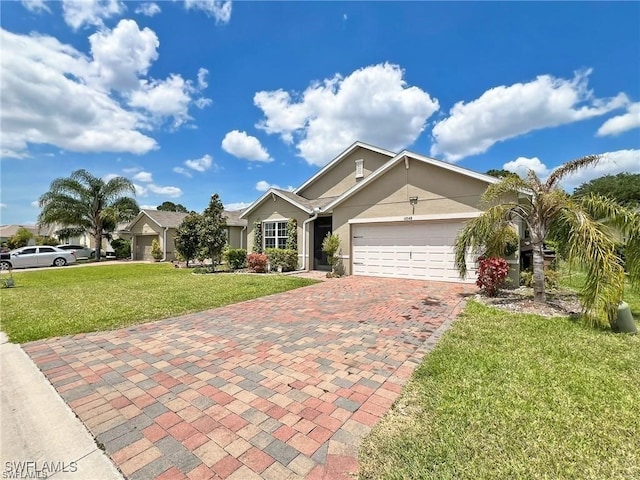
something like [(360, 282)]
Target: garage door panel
[(420, 250)]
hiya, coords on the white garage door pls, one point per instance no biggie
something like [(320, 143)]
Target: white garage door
[(418, 250)]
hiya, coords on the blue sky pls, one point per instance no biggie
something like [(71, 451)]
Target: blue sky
[(189, 98)]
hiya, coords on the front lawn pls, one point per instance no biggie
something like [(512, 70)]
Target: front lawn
[(515, 396), (50, 303)]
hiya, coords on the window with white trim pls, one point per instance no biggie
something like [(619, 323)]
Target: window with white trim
[(275, 234), (360, 168)]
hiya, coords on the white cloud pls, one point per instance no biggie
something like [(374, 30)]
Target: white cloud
[(372, 104), (200, 164), (241, 145), (145, 177), (202, 78), (53, 94), (3, 205), (231, 207), (509, 111), (182, 171), (131, 170), (35, 204), (621, 123), (149, 9), (78, 13), (218, 9), (121, 55), (522, 165), (36, 6), (172, 192), (611, 163), (263, 186), (144, 191), (109, 176), (168, 98), (148, 207)]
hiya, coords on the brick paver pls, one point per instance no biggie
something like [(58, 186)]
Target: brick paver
[(284, 386)]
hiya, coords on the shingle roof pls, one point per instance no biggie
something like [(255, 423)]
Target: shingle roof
[(174, 219), (165, 219)]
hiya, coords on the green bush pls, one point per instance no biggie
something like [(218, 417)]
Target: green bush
[(156, 251), (551, 278), (282, 257), (122, 247), (236, 258)]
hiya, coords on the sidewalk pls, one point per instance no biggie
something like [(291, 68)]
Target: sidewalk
[(40, 435)]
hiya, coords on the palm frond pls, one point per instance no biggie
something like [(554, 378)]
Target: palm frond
[(569, 168), (591, 246), (508, 186), (488, 233)]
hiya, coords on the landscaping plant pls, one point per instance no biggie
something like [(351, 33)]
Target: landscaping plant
[(236, 258), (257, 262), (330, 246), (492, 273), (89, 203), (156, 251), (543, 207)]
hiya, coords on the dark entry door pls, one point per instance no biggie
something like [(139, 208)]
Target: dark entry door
[(321, 228)]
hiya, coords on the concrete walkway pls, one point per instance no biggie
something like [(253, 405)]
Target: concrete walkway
[(40, 434), (281, 387)]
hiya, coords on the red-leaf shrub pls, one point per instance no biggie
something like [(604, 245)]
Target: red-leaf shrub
[(492, 273), (257, 262)]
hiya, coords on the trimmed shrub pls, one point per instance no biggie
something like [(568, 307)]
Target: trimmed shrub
[(122, 248), (236, 258), (292, 234), (551, 278), (492, 273), (282, 257), (257, 262)]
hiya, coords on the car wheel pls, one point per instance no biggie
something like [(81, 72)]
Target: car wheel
[(59, 262), (5, 265)]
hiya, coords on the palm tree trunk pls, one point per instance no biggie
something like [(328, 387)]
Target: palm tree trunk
[(98, 240), (538, 272)]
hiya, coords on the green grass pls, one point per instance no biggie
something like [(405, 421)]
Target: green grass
[(514, 396), (50, 303)]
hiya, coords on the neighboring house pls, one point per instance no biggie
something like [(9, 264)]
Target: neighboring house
[(397, 215), (8, 231), (162, 226)]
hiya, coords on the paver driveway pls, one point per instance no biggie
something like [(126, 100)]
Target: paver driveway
[(280, 387)]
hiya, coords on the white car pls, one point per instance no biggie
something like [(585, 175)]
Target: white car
[(78, 250), (36, 256)]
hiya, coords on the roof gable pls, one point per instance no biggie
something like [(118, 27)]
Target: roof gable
[(404, 156), (295, 200), (337, 160)]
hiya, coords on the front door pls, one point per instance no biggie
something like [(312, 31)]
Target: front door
[(322, 227)]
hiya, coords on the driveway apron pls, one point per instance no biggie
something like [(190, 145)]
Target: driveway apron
[(280, 387)]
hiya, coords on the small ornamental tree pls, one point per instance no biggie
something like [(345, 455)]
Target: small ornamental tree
[(20, 239), (213, 230), (330, 246), (492, 273), (257, 236), (187, 237), (292, 235), (156, 251)]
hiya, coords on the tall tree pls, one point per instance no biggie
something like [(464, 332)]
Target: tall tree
[(500, 173), (543, 207), (88, 202), (213, 229), (187, 237), (624, 188), (172, 207)]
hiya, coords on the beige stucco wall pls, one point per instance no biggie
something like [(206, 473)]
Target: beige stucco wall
[(278, 210), (145, 227), (439, 191), (343, 176), (236, 238)]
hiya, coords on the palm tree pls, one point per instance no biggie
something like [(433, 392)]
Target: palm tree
[(543, 207), (88, 202)]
